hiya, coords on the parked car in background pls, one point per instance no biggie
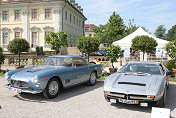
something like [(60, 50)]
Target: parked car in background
[(58, 72), (138, 83), (96, 57)]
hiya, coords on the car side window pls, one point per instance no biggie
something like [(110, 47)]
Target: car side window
[(79, 62), (162, 69)]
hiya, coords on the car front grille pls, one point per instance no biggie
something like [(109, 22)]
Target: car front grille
[(128, 96), (19, 84)]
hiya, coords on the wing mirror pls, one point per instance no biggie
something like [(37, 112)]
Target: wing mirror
[(168, 73)]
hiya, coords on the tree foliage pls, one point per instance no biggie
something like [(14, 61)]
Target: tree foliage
[(113, 53), (131, 27), (160, 32), (112, 31), (170, 64), (57, 40), (17, 46), (171, 49), (171, 35), (144, 43), (2, 56), (88, 44)]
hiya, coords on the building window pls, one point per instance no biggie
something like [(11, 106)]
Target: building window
[(47, 30), (4, 15), (17, 35), (47, 13), (34, 13), (47, 44), (77, 21), (65, 15), (70, 18), (17, 14), (74, 19), (34, 39), (5, 38)]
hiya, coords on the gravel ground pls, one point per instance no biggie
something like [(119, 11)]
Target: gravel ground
[(77, 102)]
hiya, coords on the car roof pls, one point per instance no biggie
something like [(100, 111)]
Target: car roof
[(71, 56), (144, 62)]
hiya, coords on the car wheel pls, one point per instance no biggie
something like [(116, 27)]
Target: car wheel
[(161, 102), (168, 85), (92, 63), (92, 79), (52, 89)]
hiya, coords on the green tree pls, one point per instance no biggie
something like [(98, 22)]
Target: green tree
[(88, 44), (131, 27), (171, 35), (144, 43), (57, 40), (2, 57), (160, 32), (113, 54), (17, 46), (112, 31), (171, 49)]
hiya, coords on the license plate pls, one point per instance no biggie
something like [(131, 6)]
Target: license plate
[(15, 90), (113, 100), (128, 101)]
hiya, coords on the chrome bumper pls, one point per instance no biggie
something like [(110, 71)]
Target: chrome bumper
[(21, 90)]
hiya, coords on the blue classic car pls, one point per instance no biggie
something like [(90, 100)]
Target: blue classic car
[(58, 72)]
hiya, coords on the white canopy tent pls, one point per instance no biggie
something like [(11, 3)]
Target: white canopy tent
[(126, 42)]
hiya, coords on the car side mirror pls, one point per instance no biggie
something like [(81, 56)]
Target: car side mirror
[(168, 73)]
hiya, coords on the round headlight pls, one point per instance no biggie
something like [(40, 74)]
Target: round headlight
[(35, 79)]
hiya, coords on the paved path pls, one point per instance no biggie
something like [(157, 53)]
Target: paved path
[(77, 102)]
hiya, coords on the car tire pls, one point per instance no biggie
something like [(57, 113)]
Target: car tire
[(92, 79), (92, 63), (52, 89), (161, 102), (168, 85)]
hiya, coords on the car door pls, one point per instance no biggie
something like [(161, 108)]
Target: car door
[(80, 70), (164, 70)]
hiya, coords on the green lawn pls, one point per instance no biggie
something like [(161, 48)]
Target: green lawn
[(172, 79)]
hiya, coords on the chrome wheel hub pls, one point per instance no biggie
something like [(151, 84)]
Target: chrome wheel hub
[(53, 88), (93, 78)]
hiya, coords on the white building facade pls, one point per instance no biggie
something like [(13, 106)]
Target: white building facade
[(34, 19)]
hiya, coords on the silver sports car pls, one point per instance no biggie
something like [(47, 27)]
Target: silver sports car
[(140, 83)]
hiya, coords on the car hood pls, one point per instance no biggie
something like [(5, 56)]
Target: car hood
[(33, 71), (134, 84)]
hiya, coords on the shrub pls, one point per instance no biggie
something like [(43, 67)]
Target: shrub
[(37, 49), (41, 49), (170, 64)]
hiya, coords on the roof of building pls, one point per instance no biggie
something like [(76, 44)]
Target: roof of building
[(89, 27), (70, 2)]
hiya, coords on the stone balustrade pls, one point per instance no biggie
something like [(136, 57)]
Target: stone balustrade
[(27, 59)]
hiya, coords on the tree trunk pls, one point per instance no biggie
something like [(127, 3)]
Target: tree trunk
[(143, 56), (88, 57), (19, 59), (112, 64)]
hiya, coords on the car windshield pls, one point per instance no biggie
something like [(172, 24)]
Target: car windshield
[(141, 68), (59, 61)]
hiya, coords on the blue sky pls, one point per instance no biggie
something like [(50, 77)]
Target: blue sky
[(147, 13)]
